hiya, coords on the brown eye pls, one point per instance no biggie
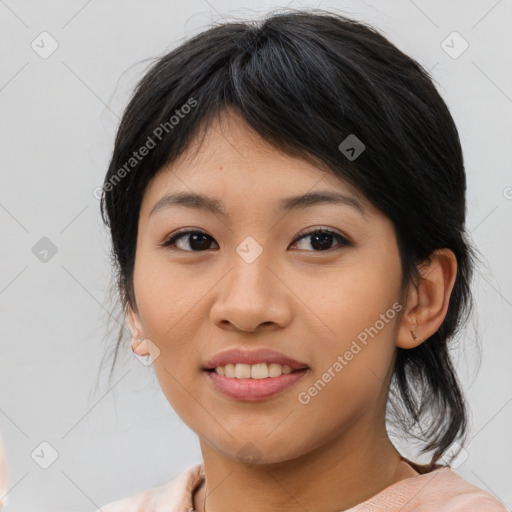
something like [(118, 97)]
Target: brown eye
[(196, 240), (322, 239)]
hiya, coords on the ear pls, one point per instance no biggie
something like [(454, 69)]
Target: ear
[(427, 303), (135, 326)]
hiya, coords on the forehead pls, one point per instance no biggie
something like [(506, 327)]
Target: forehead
[(230, 158)]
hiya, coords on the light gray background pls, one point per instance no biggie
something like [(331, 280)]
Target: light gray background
[(58, 120)]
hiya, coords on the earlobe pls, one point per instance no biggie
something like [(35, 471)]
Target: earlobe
[(138, 344), (140, 347), (427, 303)]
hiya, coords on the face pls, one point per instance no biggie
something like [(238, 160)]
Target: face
[(318, 282)]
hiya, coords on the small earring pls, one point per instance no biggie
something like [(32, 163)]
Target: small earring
[(136, 342), (414, 336)]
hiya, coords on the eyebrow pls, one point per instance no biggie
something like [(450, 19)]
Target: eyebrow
[(210, 204)]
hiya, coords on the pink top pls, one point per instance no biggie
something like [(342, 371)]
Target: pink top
[(441, 490)]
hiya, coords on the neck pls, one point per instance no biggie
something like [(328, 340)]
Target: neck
[(330, 478)]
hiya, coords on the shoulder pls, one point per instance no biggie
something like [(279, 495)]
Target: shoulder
[(174, 495), (441, 490), (133, 503), (465, 497), (446, 491), (475, 503)]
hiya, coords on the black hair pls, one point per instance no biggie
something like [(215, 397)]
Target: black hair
[(305, 81)]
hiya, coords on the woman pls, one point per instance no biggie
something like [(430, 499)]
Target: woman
[(286, 203)]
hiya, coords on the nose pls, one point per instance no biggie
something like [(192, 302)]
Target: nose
[(252, 297)]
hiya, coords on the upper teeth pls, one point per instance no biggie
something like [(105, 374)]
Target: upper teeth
[(252, 371)]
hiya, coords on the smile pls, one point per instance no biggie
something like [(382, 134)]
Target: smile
[(252, 388)]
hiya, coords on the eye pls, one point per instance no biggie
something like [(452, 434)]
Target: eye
[(322, 239), (197, 240)]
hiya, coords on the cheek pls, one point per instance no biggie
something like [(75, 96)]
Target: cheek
[(355, 318), (170, 300), (166, 296), (351, 300)]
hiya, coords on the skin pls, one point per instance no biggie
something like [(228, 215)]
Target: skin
[(333, 452)]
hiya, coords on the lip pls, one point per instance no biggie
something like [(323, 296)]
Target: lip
[(253, 356), (254, 389)]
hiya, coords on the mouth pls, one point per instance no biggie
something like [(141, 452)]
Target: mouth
[(256, 371), (253, 374), (251, 390), (253, 363)]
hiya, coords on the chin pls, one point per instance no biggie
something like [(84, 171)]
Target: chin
[(258, 449)]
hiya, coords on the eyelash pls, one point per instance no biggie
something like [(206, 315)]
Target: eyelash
[(303, 234)]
